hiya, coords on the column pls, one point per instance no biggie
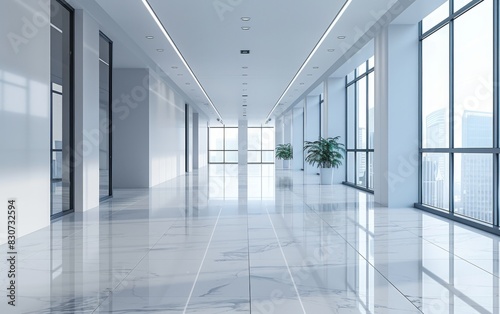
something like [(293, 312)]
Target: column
[(396, 116)]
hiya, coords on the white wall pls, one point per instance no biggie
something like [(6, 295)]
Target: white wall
[(130, 109), (166, 132), (24, 114), (202, 140), (86, 168)]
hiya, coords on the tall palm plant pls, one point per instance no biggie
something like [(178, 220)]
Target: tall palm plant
[(325, 152)]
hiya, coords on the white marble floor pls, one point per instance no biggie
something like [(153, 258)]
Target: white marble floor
[(231, 240)]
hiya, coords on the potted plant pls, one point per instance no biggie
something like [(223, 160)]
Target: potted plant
[(284, 152), (326, 154)]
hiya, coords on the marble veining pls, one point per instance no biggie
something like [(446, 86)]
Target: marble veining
[(226, 239)]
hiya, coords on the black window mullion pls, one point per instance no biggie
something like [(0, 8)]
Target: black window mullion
[(496, 104), (367, 99), (451, 126)]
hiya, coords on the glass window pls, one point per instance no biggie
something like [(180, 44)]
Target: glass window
[(436, 17), (361, 169), (231, 139), (361, 114), (435, 89), (105, 188), (231, 156), (216, 156), (371, 110), (267, 139), (216, 136), (474, 186), (473, 70), (254, 138), (254, 157), (350, 167), (435, 180)]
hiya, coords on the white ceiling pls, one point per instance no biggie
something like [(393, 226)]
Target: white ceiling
[(282, 35)]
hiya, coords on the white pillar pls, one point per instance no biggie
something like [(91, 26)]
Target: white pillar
[(278, 135), (335, 118), (242, 142), (86, 167), (298, 137), (396, 116)]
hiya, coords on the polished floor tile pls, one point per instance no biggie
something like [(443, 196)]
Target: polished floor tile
[(229, 239)]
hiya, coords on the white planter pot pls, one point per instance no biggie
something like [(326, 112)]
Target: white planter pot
[(326, 175), (286, 164)]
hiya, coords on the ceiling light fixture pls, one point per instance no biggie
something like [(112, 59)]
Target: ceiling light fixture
[(341, 37), (316, 47), (245, 52), (167, 36), (331, 50), (315, 68), (149, 37), (160, 50), (245, 19), (244, 67), (174, 67), (245, 28)]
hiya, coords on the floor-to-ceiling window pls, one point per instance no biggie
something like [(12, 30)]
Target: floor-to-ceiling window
[(261, 145), (459, 117), (61, 64), (360, 104), (105, 86), (223, 145)]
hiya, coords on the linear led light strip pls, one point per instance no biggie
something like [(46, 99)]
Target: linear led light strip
[(322, 39), (165, 33)]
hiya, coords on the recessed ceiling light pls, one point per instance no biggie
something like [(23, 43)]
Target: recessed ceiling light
[(341, 37), (245, 28), (301, 83), (244, 95), (315, 68), (245, 52), (245, 19), (244, 105), (174, 67), (160, 50), (188, 83), (331, 50), (245, 83), (244, 67), (150, 37), (180, 74), (244, 89)]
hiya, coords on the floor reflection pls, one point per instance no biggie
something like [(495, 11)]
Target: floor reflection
[(239, 239)]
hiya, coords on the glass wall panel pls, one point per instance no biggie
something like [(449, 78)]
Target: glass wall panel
[(105, 69), (216, 139), (254, 157), (231, 157), (471, 153), (254, 139), (435, 180), (474, 186), (216, 156), (473, 69), (267, 139), (231, 139), (361, 169), (360, 121), (435, 90), (361, 114), (268, 156), (61, 109)]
